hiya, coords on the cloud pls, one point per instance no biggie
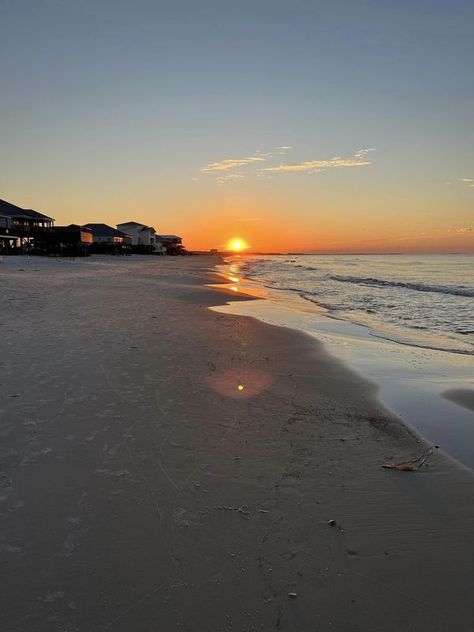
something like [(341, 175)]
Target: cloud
[(363, 152), (249, 219), (467, 179), (451, 232), (281, 151), (359, 159), (228, 176), (232, 163), (224, 170)]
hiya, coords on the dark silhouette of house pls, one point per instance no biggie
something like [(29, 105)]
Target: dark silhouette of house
[(172, 244), (64, 241), (109, 241), (20, 227)]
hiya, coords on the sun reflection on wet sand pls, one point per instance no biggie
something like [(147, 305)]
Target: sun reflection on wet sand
[(240, 383)]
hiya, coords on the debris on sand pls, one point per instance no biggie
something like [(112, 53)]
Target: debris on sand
[(292, 595), (409, 466), (401, 467), (332, 523), (243, 509)]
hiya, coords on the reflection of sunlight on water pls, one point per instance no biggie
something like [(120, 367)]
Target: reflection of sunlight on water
[(240, 383), (231, 273), (234, 269)]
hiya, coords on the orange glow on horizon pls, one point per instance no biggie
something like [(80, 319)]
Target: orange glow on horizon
[(266, 223), (236, 244)]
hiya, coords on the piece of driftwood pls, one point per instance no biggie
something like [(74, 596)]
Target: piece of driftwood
[(409, 466)]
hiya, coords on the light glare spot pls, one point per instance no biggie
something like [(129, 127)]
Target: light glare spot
[(237, 245)]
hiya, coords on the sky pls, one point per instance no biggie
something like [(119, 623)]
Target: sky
[(342, 126)]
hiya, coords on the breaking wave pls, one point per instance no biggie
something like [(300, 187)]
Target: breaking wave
[(419, 287)]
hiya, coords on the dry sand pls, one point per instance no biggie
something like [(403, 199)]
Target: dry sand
[(141, 490)]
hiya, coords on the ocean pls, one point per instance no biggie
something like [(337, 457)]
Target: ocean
[(421, 300)]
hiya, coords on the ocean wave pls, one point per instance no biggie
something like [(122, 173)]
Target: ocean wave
[(420, 345), (407, 314), (419, 287), (309, 268)]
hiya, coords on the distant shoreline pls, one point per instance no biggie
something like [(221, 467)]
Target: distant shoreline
[(228, 253)]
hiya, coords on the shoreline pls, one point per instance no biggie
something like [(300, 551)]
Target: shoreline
[(417, 334), (142, 489), (412, 380)]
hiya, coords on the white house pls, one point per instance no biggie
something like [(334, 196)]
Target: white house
[(143, 236)]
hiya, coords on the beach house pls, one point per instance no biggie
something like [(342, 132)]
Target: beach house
[(172, 244), (143, 238), (19, 227), (64, 241), (108, 240)]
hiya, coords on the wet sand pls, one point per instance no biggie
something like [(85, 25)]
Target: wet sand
[(461, 396), (166, 467), (412, 381)]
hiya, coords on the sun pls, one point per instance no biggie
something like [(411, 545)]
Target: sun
[(237, 245)]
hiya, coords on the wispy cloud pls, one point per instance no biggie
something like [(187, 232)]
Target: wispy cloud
[(282, 150), (232, 163), (249, 219), (228, 176), (362, 153), (225, 170), (468, 181), (359, 159)]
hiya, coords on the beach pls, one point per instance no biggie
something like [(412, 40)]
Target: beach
[(409, 330), (168, 467)]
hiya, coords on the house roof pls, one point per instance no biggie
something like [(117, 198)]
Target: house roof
[(35, 214), (72, 227), (168, 237), (11, 210), (103, 230), (140, 226)]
